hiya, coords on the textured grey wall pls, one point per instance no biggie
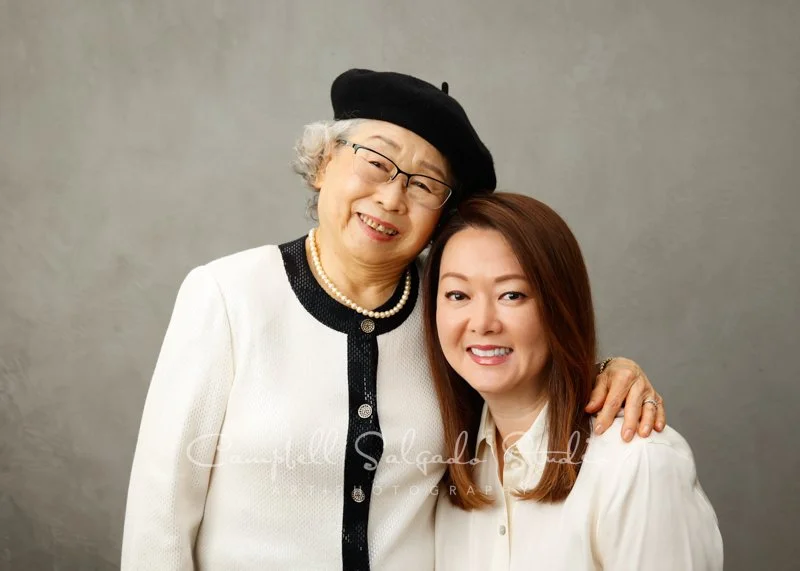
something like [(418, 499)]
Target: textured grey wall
[(138, 139)]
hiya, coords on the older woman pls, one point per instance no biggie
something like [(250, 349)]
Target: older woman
[(291, 412), (511, 333)]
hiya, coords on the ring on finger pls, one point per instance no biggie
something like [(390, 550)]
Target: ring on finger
[(654, 402)]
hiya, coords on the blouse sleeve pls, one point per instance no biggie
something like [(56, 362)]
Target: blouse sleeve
[(656, 516), (179, 431)]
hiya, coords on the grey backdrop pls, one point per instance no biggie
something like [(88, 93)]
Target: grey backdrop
[(139, 139)]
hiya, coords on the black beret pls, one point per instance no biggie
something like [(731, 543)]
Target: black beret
[(424, 109)]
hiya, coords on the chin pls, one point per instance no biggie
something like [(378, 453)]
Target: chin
[(490, 389), (485, 384)]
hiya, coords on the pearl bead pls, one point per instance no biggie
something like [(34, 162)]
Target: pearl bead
[(312, 242)]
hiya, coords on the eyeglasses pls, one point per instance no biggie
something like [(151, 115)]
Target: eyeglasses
[(374, 167)]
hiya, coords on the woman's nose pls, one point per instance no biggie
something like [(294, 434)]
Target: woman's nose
[(392, 194), (484, 319)]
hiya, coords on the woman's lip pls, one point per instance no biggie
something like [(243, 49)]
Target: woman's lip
[(486, 347), (379, 221), (493, 360), (374, 234)]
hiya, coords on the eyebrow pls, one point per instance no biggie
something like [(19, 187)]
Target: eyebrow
[(424, 164), (385, 140), (503, 278)]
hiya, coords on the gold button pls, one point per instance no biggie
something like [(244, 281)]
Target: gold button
[(367, 326)]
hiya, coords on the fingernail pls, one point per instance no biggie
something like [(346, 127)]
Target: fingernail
[(646, 429), (628, 434), (660, 426), (598, 429)]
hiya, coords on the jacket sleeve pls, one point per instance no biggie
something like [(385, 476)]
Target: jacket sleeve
[(655, 515), (179, 431)]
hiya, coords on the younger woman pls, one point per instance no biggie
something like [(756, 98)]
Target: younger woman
[(511, 336)]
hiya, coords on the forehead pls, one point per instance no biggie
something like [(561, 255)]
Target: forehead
[(395, 140), (478, 253)]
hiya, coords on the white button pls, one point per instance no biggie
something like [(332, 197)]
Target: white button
[(358, 495), (367, 326), (502, 530), (365, 411)]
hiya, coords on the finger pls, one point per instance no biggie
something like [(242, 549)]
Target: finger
[(648, 417), (633, 409), (618, 390), (661, 414), (599, 393)]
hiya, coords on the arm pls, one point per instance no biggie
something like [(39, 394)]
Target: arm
[(655, 515), (624, 382), (178, 436)]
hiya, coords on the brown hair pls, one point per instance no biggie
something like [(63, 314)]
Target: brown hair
[(551, 260)]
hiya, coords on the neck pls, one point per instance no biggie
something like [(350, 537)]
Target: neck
[(369, 285), (514, 415)]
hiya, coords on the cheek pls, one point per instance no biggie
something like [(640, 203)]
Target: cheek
[(340, 188), (535, 340), (448, 333), (423, 224)]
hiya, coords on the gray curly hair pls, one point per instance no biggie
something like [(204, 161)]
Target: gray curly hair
[(317, 140)]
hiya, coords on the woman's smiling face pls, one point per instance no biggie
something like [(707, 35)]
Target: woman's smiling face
[(377, 223), (487, 317)]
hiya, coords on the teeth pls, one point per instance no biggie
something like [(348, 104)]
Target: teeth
[(375, 226), (500, 351)]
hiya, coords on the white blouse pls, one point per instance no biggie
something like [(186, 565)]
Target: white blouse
[(635, 506)]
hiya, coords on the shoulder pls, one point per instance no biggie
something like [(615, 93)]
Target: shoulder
[(611, 441), (610, 454), (242, 273), (244, 264), (235, 280), (664, 457), (646, 475)]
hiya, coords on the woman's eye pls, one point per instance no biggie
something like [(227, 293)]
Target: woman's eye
[(378, 164), (422, 186), (455, 296), (513, 295)]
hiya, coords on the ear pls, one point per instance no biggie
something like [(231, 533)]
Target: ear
[(319, 179)]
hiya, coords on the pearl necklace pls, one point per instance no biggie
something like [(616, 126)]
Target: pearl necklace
[(312, 242)]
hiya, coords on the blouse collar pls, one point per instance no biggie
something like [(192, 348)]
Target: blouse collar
[(330, 312), (532, 445)]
